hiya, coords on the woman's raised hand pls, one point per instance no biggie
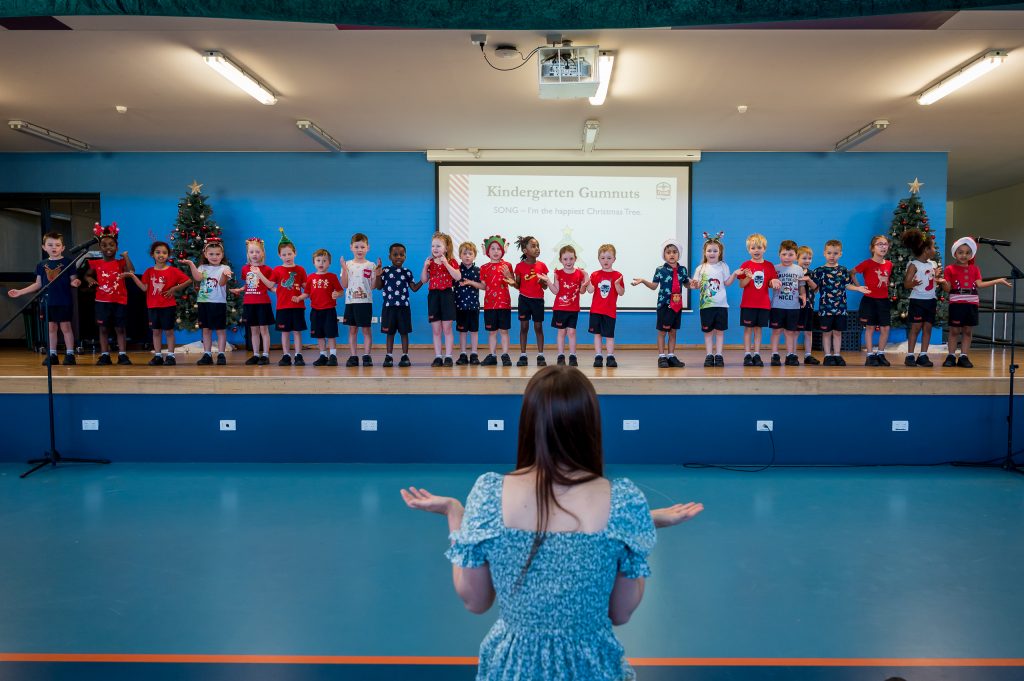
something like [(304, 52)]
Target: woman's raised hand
[(674, 515), (422, 500)]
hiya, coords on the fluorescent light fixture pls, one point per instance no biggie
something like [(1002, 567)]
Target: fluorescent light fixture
[(605, 61), (962, 76), (864, 134), (563, 155), (48, 135), (319, 134), (590, 130), (238, 76)]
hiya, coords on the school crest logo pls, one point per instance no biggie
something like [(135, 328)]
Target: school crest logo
[(663, 190)]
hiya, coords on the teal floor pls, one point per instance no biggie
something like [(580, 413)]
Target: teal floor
[(325, 560)]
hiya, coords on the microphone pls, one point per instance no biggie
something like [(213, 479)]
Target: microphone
[(991, 242), (82, 247)]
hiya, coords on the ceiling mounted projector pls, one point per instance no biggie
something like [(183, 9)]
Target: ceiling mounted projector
[(567, 72)]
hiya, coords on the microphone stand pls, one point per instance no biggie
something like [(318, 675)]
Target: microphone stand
[(1016, 275), (52, 457)]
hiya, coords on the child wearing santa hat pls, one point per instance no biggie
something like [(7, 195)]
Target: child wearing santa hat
[(964, 279)]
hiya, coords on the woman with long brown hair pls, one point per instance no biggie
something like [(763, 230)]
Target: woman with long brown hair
[(562, 548)]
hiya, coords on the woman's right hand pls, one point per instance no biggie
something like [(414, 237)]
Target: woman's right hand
[(674, 515), (422, 500)]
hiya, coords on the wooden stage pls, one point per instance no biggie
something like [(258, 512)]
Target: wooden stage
[(637, 374)]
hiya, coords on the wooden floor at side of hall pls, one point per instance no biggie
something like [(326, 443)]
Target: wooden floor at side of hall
[(637, 374)]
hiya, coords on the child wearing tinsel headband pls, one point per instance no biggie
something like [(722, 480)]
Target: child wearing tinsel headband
[(257, 312), (107, 275)]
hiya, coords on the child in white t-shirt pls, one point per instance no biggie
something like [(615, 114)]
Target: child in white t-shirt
[(212, 301), (711, 277)]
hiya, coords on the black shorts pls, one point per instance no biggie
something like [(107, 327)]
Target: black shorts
[(58, 313), (162, 318), (111, 315), (755, 316), (498, 319), (324, 323), (874, 312), (467, 320), (780, 318), (564, 319), (806, 319), (441, 305), (396, 319), (359, 315), (531, 308), (291, 319), (602, 325), (257, 314), (922, 311), (831, 322), (213, 316), (714, 319), (963, 314), (667, 318)]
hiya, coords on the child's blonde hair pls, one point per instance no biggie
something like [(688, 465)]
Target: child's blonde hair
[(322, 251), (787, 245), (447, 241), (606, 247), (256, 241), (834, 242), (757, 240), (467, 246), (804, 250)]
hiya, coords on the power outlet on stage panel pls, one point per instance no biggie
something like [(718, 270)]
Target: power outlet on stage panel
[(900, 426), (768, 426), (495, 424), (227, 424), (368, 424), (630, 424), (90, 424)]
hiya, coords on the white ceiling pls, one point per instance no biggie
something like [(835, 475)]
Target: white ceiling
[(383, 90)]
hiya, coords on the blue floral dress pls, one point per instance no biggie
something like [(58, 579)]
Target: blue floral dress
[(554, 625)]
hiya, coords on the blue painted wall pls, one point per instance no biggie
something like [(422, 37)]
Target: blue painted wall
[(321, 199)]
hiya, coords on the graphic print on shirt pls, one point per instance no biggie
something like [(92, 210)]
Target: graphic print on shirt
[(605, 287), (568, 292), (53, 273), (207, 288), (252, 280), (109, 282), (758, 279), (883, 278), (158, 282)]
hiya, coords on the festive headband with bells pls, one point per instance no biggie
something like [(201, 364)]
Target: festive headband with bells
[(110, 230)]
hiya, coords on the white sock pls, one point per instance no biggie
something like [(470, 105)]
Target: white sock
[(661, 354), (105, 353), (333, 352)]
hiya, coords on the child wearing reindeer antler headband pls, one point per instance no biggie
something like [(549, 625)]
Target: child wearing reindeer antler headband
[(107, 275), (710, 278)]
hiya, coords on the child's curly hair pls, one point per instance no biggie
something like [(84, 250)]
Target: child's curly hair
[(916, 240), (522, 242)]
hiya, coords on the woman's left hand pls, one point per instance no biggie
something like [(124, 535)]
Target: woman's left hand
[(422, 500), (674, 515)]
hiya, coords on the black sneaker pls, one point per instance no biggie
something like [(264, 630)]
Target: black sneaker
[(792, 361), (169, 361), (830, 361), (205, 361), (103, 361), (663, 362), (221, 359), (389, 361), (123, 360), (756, 359), (811, 360), (332, 361), (489, 361), (367, 361), (506, 361), (675, 363), (69, 360), (352, 361), (573, 361), (321, 361), (438, 362), (598, 361), (404, 361), (871, 361), (448, 363), (910, 361), (839, 361), (541, 362), (748, 361), (560, 360), (285, 361), (157, 361), (775, 361), (264, 360), (950, 361), (51, 360), (522, 361), (882, 360), (253, 361), (923, 361), (299, 361), (474, 359), (719, 361), (610, 362), (463, 359), (709, 361), (962, 362)]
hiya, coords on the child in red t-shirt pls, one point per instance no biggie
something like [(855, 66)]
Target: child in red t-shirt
[(875, 309), (257, 312), (161, 283), (566, 285), (964, 279), (755, 276), (289, 285), (324, 289), (531, 280), (108, 276), (440, 272), (606, 285), (496, 276)]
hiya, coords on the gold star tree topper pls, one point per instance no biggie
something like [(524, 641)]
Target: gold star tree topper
[(915, 186), (195, 187)]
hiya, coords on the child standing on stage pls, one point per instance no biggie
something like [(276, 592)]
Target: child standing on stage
[(467, 305), (440, 272), (711, 277), (395, 281), (964, 279), (59, 304), (566, 285), (289, 285), (670, 279), (786, 303), (874, 306), (257, 314), (212, 300), (358, 276), (804, 254), (496, 276), (922, 277), (531, 280), (833, 281), (108, 275), (606, 285), (324, 289), (755, 276), (161, 282)]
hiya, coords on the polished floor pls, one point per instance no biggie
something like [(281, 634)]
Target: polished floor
[(320, 572)]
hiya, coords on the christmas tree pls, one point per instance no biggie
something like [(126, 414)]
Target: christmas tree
[(910, 214), (191, 230)]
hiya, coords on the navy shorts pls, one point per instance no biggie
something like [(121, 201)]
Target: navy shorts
[(831, 322), (495, 320), (668, 319), (162, 318), (323, 323), (531, 308), (58, 313), (213, 316), (564, 319), (110, 315), (602, 325), (874, 312), (922, 311), (755, 316), (714, 319), (784, 319), (291, 319), (359, 315), (396, 319), (467, 320), (963, 314), (441, 305), (257, 314)]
